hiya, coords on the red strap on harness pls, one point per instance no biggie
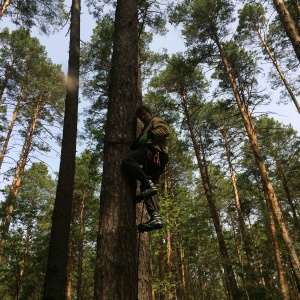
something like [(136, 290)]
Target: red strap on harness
[(156, 158)]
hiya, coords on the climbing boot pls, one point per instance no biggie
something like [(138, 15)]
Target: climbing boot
[(150, 190), (154, 223)]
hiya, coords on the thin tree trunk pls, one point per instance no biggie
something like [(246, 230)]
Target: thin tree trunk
[(10, 128), (239, 254), (288, 25), (277, 254), (246, 241), (56, 271), (70, 271), (274, 61), (267, 185), (288, 196), (25, 255), (15, 186), (169, 253), (4, 7), (161, 266), (229, 274), (80, 295), (263, 282)]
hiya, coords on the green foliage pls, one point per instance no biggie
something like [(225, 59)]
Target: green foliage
[(42, 14), (27, 243)]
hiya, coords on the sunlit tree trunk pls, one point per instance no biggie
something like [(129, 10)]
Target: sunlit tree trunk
[(169, 260), (277, 254), (25, 255), (161, 265), (229, 274), (4, 7), (279, 71), (246, 241), (80, 295), (15, 186), (70, 271), (288, 25), (266, 182), (10, 128)]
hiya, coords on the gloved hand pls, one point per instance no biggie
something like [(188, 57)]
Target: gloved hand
[(143, 139)]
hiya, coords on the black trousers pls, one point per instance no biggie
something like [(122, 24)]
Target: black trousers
[(145, 157)]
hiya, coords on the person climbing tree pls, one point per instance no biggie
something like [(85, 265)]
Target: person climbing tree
[(150, 151)]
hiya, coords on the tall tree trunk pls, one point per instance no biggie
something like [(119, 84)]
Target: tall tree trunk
[(116, 269), (288, 195), (239, 254), (288, 25), (267, 185), (80, 295), (161, 266), (10, 128), (15, 186), (252, 274), (277, 254), (56, 271), (263, 282), (25, 255), (229, 274), (279, 71), (169, 261), (70, 271)]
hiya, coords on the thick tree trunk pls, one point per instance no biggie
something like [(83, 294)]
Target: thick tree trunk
[(288, 25), (56, 271), (145, 282), (229, 274), (116, 270)]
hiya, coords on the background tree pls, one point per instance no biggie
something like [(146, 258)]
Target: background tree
[(56, 272), (34, 13), (25, 252)]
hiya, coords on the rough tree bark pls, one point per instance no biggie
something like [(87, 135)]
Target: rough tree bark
[(116, 269), (56, 271)]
